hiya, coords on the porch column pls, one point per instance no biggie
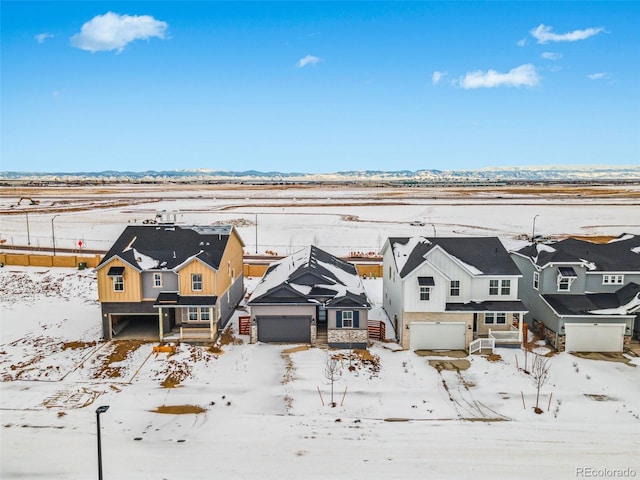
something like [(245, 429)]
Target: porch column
[(211, 323), (160, 316), (520, 320)]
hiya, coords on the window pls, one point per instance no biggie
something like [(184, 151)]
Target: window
[(612, 279), (425, 293), (505, 288), (536, 280), (198, 314), (196, 282), (455, 288), (495, 318), (157, 280), (564, 284), (118, 283), (493, 287), (347, 319)]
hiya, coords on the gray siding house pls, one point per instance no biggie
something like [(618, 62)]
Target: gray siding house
[(310, 297), (582, 296)]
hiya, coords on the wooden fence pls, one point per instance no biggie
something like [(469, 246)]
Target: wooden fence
[(27, 260), (377, 330)]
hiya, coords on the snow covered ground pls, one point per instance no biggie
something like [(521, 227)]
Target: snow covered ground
[(263, 417), (261, 406)]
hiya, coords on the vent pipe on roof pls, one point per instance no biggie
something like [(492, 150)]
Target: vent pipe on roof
[(174, 254)]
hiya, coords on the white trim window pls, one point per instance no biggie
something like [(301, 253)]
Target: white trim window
[(454, 289), (612, 279), (347, 319), (196, 282), (536, 280), (494, 287), (497, 318), (118, 283), (505, 287), (198, 314), (425, 293), (564, 283), (157, 280)]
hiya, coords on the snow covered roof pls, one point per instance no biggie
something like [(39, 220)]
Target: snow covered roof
[(624, 301), (478, 255), (619, 255), (153, 247), (311, 275)]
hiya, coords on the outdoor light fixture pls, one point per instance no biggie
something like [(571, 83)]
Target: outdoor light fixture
[(100, 410)]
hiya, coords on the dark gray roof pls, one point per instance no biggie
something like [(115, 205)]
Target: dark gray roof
[(173, 299), (589, 303), (488, 306), (619, 255), (153, 247), (311, 276), (485, 254)]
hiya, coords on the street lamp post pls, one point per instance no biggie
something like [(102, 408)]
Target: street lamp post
[(53, 235), (434, 230), (100, 410), (533, 232), (256, 233)]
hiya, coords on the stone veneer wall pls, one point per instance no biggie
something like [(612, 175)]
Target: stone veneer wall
[(347, 335)]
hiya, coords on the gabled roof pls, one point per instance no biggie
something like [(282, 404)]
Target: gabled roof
[(166, 247), (624, 301), (619, 255), (311, 276), (478, 255)]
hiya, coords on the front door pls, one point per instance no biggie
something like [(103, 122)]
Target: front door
[(322, 315)]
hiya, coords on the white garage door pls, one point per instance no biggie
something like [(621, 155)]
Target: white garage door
[(437, 336), (594, 337)]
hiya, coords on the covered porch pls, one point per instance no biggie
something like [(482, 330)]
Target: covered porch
[(187, 318)]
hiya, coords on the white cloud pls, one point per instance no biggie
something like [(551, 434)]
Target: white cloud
[(522, 42), (551, 56), (307, 60), (596, 76), (543, 34), (437, 77), (524, 75), (41, 37), (112, 31)]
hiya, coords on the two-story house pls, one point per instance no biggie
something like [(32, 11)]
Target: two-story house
[(582, 296), (310, 297), (441, 293), (170, 281)]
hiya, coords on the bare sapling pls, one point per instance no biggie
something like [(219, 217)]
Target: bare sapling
[(539, 375), (331, 373)]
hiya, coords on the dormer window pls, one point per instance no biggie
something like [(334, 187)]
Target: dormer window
[(196, 282), (566, 276)]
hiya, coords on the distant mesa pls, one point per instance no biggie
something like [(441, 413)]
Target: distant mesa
[(407, 177)]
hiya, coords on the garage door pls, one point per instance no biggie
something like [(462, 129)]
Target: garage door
[(284, 329), (437, 336), (594, 337)]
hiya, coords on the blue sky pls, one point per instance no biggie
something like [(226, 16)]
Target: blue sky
[(318, 87)]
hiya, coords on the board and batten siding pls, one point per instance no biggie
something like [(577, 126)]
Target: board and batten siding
[(445, 264), (437, 297), (132, 285), (208, 278), (231, 264)]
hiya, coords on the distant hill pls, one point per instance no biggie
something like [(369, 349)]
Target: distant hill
[(543, 173)]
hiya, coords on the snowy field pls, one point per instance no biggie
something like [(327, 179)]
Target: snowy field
[(257, 410)]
